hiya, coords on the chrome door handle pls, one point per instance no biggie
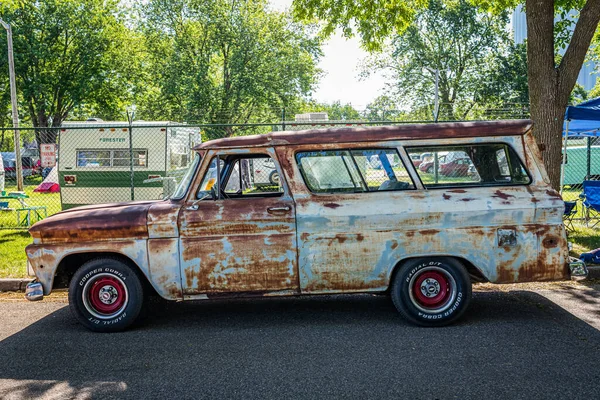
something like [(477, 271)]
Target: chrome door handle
[(278, 209)]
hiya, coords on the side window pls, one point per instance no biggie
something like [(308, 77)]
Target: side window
[(363, 170), (382, 169), (329, 171), (111, 158), (472, 165), (252, 177), (241, 177)]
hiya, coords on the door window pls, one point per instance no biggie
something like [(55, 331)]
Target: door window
[(255, 176)]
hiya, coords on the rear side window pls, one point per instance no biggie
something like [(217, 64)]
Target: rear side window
[(355, 171), (493, 164)]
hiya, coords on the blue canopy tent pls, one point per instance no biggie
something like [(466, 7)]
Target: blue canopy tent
[(582, 120)]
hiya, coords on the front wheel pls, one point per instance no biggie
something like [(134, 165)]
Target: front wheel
[(106, 295), (431, 291)]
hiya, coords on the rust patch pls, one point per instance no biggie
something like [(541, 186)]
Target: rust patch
[(550, 242), (429, 232), (446, 196), (394, 245), (375, 134), (331, 205), (341, 238), (553, 193), (505, 275), (457, 191), (240, 263), (360, 237), (304, 236), (409, 234), (500, 194), (96, 223), (467, 199)]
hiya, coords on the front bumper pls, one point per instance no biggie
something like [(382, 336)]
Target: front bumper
[(577, 268), (34, 291)]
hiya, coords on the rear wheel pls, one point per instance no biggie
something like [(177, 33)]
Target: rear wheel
[(106, 295), (431, 291)]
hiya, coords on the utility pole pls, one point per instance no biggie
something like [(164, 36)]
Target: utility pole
[(13, 99), (436, 107)]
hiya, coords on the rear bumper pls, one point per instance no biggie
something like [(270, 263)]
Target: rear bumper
[(577, 268)]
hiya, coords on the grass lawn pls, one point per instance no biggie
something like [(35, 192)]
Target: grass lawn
[(13, 263)]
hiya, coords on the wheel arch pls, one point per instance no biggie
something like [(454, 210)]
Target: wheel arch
[(71, 263), (474, 272)]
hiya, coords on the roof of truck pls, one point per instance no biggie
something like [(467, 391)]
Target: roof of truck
[(373, 134)]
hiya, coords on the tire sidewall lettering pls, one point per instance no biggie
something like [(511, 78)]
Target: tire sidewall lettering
[(86, 278), (95, 271), (456, 305)]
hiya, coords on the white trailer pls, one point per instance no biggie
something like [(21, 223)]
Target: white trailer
[(94, 160)]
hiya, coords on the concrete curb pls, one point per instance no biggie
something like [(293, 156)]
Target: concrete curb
[(14, 285)]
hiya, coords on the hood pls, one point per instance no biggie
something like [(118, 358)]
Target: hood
[(95, 222)]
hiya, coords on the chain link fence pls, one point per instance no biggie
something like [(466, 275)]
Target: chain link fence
[(83, 163), (581, 168)]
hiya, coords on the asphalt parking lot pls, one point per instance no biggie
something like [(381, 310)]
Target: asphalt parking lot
[(512, 344)]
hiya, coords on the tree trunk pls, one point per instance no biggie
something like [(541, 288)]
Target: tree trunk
[(550, 86)]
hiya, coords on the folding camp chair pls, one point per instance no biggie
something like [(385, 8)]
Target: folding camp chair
[(570, 212), (591, 202)]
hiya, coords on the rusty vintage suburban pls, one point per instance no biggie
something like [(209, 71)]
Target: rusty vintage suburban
[(350, 212)]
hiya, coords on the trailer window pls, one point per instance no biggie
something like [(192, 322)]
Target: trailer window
[(111, 158)]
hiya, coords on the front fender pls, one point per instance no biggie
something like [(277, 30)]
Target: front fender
[(45, 259)]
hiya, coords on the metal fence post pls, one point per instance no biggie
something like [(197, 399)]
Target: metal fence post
[(15, 112), (283, 118), (130, 116)]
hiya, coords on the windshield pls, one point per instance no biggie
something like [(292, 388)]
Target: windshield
[(187, 179)]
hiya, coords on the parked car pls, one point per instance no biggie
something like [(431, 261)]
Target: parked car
[(456, 167), (327, 228), (264, 172), (29, 165), (416, 160), (428, 164)]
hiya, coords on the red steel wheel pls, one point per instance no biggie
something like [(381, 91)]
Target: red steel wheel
[(431, 289), (105, 296)]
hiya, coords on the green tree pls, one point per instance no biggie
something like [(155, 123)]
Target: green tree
[(454, 41), (551, 79), (222, 61), (336, 111), (65, 53)]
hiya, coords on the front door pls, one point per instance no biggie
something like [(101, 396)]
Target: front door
[(238, 229)]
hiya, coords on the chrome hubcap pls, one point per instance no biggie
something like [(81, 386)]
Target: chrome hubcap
[(108, 294), (430, 287)]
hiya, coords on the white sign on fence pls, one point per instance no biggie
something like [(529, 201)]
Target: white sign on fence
[(48, 155)]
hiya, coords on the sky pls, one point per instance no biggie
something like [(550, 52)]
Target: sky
[(340, 64)]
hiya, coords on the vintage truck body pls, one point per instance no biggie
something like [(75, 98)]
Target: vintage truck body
[(299, 240)]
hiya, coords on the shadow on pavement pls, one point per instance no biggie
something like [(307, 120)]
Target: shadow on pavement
[(509, 345)]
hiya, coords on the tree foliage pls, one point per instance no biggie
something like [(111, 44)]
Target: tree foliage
[(65, 52), (551, 78), (457, 42), (224, 61)]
